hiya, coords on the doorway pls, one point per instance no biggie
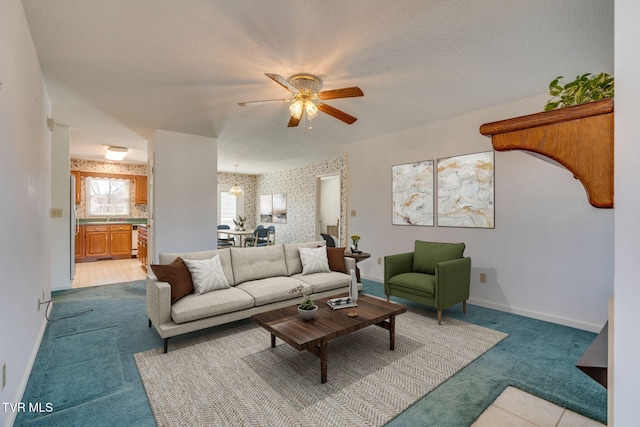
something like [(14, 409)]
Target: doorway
[(328, 206)]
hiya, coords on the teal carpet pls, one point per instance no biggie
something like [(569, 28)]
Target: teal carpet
[(85, 367)]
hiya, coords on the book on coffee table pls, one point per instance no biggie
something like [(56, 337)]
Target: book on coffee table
[(338, 303)]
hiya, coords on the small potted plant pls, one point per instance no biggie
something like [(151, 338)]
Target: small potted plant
[(240, 223), (307, 309), (354, 248)]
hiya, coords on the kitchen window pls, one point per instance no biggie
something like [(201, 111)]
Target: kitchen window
[(108, 197)]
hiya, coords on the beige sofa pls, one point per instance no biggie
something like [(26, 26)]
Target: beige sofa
[(260, 280)]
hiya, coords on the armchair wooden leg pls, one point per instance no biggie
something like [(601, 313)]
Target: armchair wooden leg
[(464, 306), (439, 317), (387, 298)]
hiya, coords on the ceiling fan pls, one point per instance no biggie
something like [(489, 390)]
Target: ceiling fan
[(307, 98)]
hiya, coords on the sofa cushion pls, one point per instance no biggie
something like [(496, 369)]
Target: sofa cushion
[(324, 281), (177, 275), (314, 260), (336, 259), (225, 260), (427, 254), (207, 275), (195, 307), (272, 289), (419, 282), (258, 263), (292, 255)]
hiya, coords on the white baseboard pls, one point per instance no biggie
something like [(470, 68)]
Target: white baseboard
[(524, 312), (538, 315), (27, 373)]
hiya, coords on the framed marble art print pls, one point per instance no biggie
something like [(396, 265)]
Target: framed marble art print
[(466, 191), (412, 193)]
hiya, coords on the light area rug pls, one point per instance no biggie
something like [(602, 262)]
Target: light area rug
[(235, 378)]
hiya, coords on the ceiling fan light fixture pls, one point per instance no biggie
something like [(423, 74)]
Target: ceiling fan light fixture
[(116, 153), (297, 108), (311, 109)]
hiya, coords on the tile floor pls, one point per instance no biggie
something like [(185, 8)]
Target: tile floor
[(107, 272), (513, 408)]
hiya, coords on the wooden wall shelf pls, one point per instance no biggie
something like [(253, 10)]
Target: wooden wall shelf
[(580, 138)]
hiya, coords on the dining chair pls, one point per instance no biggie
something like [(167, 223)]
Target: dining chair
[(271, 235), (260, 238), (330, 242), (225, 241)]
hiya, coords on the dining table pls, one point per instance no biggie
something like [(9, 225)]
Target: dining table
[(240, 233)]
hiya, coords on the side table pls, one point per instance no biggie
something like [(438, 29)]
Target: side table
[(358, 257)]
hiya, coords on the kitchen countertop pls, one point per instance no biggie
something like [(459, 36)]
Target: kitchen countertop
[(100, 221)]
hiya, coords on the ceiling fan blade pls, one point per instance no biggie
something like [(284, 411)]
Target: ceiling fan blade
[(266, 101), (282, 81), (293, 122), (347, 92), (340, 115)]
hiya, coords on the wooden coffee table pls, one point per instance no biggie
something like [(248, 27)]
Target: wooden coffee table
[(314, 335)]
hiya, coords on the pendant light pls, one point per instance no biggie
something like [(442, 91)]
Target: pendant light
[(236, 190)]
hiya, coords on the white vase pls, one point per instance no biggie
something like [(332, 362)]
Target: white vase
[(308, 314)]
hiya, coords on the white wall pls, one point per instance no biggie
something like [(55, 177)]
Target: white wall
[(183, 212), (550, 255), (60, 199), (626, 372), (24, 191)]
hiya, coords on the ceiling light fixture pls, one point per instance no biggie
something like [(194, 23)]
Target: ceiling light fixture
[(116, 153), (236, 190), (303, 103)]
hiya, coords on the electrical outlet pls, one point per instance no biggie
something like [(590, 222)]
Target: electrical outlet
[(353, 212), (4, 375), (56, 213), (379, 260), (483, 278)]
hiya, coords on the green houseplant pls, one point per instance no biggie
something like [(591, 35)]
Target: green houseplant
[(583, 89), (307, 309)]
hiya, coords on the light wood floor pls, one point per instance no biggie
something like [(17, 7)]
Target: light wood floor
[(107, 272)]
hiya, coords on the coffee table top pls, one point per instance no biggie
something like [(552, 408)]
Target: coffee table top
[(286, 324)]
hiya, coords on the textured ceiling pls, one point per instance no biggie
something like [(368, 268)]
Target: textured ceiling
[(118, 69)]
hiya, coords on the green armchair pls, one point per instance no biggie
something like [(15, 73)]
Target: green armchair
[(434, 274)]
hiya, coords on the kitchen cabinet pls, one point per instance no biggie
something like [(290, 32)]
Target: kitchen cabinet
[(78, 186), (79, 242), (141, 190), (120, 240), (96, 241), (143, 241), (103, 242)]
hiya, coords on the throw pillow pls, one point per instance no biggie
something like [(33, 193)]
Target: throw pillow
[(336, 259), (314, 260), (177, 275), (207, 275)]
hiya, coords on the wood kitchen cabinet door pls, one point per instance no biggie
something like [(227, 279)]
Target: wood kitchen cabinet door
[(80, 243), (120, 240), (96, 241), (141, 190)]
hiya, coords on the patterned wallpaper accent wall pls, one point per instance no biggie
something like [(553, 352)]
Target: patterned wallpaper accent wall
[(249, 185), (137, 211), (300, 186)]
